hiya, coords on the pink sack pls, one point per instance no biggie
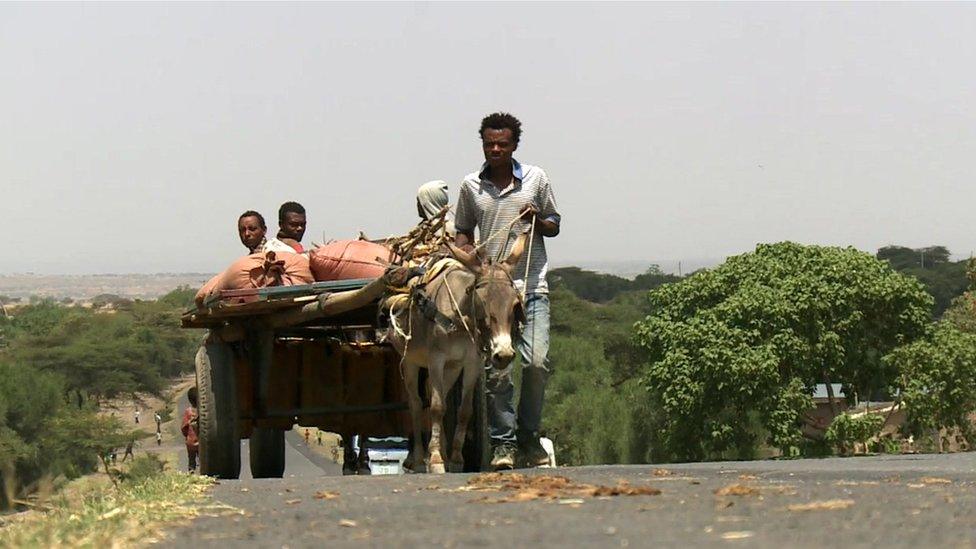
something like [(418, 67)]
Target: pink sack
[(348, 259), (259, 270)]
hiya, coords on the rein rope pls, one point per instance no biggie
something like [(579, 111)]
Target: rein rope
[(457, 308), (440, 234)]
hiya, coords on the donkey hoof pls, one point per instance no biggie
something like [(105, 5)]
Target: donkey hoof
[(437, 468), (414, 467), (455, 467)]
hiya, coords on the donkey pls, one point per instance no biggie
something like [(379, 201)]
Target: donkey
[(476, 312)]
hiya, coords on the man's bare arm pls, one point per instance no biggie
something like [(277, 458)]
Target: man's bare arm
[(464, 240), (546, 227)]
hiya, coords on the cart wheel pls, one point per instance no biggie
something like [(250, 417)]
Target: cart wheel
[(267, 453), (220, 446)]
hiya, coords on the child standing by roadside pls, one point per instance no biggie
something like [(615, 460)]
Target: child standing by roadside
[(189, 430)]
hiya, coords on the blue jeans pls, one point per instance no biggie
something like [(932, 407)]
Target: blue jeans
[(533, 346)]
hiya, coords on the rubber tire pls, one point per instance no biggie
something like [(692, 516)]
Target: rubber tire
[(267, 453), (220, 443)]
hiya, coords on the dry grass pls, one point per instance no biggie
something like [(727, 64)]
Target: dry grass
[(98, 515)]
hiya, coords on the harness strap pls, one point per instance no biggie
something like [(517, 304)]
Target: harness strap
[(429, 309)]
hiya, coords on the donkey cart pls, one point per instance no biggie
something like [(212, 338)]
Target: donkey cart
[(312, 355)]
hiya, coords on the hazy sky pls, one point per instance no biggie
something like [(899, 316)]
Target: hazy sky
[(132, 136)]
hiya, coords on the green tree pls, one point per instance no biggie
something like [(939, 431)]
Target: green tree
[(733, 353), (80, 437), (104, 355), (596, 412), (28, 398), (943, 279), (53, 355), (962, 313), (937, 380), (601, 287)]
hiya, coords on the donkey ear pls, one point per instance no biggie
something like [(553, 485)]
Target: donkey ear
[(471, 261), (517, 250)]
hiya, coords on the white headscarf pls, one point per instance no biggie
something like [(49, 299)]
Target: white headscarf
[(432, 197)]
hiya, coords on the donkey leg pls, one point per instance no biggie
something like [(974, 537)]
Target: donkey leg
[(411, 373), (435, 460), (468, 381), (452, 371)]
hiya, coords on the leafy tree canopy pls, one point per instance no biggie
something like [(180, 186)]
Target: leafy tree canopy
[(747, 341), (901, 257), (943, 279), (938, 380), (103, 355)]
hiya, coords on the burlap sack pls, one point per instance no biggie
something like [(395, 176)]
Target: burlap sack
[(259, 270), (348, 259)]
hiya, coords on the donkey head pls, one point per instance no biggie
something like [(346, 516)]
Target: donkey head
[(495, 303)]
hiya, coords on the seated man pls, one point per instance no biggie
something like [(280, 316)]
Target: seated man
[(431, 199), (291, 229), (252, 230)]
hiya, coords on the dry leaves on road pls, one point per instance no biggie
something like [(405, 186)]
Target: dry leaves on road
[(737, 490), (826, 505), (662, 473), (325, 494), (857, 483), (934, 480), (548, 487), (742, 534), (347, 523), (293, 501)]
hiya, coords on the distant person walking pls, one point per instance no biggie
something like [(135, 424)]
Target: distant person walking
[(505, 198), (128, 451), (318, 437), (189, 430), (159, 438), (306, 437), (159, 422), (137, 416)]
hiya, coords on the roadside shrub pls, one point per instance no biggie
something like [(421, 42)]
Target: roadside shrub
[(847, 429), (144, 467), (938, 381)]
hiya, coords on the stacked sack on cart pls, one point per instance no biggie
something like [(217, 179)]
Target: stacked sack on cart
[(337, 260)]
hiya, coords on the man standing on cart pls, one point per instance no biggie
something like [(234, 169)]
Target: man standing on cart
[(503, 199)]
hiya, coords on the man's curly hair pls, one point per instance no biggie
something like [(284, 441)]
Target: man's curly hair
[(500, 121)]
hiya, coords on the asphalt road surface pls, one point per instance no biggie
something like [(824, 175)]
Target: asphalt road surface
[(882, 501)]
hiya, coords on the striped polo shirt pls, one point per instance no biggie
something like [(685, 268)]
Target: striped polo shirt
[(480, 204)]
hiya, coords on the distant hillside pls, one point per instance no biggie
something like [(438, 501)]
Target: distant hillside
[(86, 287), (933, 266), (602, 287), (631, 268)]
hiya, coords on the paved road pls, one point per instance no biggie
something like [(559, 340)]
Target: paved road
[(885, 501)]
